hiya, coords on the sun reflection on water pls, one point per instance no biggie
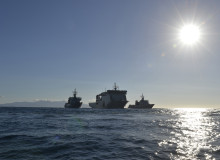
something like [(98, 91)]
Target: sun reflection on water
[(192, 135)]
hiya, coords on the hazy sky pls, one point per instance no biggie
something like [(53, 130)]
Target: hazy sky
[(50, 47)]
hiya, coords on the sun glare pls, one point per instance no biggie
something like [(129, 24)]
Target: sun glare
[(190, 34)]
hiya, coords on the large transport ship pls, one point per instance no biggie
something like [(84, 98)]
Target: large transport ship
[(142, 104), (110, 99), (73, 102)]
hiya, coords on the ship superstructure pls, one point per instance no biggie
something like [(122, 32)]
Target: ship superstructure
[(73, 102), (142, 104), (111, 99)]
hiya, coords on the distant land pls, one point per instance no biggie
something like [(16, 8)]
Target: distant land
[(42, 103)]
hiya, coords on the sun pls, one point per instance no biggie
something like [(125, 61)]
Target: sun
[(190, 34)]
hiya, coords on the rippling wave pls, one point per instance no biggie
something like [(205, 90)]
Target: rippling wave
[(56, 133)]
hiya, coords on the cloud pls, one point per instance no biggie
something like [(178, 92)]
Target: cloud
[(48, 100), (36, 100), (1, 96)]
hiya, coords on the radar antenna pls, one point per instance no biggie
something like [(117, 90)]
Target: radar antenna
[(115, 87), (74, 93)]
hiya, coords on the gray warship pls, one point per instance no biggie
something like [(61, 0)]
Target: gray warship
[(73, 102), (110, 99), (142, 104)]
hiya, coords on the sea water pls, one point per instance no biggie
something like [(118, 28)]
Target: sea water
[(100, 134)]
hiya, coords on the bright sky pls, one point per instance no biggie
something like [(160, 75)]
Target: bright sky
[(50, 47)]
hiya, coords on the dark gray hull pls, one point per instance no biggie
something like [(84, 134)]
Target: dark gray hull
[(149, 106), (78, 105)]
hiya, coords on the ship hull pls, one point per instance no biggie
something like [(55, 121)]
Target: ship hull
[(149, 106), (111, 105), (67, 105)]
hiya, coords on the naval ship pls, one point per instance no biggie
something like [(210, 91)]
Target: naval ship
[(110, 99), (142, 104), (73, 102)]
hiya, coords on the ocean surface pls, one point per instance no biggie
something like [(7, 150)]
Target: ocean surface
[(117, 134)]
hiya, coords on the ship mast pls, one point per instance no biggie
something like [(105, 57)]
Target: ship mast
[(75, 93), (142, 96), (115, 87)]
